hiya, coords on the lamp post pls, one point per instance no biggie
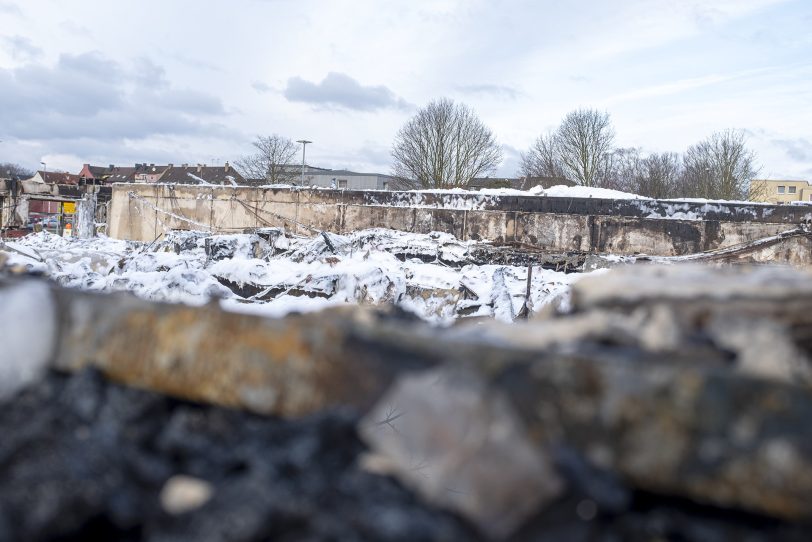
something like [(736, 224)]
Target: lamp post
[(304, 143), (44, 166)]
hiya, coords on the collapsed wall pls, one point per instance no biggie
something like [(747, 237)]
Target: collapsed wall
[(587, 225), (25, 204)]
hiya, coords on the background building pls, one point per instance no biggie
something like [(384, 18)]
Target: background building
[(151, 173), (55, 177), (780, 191), (201, 173), (337, 178)]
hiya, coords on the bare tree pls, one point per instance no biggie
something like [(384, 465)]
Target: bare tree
[(579, 150), (758, 191), (720, 167), (543, 160), (9, 169), (697, 180), (444, 145), (660, 176), (584, 139), (273, 161), (655, 176), (621, 169)]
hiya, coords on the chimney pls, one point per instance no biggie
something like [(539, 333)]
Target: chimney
[(152, 165), (200, 168), (112, 166), (225, 167), (170, 165)]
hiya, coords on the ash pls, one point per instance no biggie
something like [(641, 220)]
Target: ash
[(85, 459)]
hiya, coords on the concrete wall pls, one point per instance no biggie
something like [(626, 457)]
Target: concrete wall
[(144, 213)]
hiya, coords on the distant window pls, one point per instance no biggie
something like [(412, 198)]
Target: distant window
[(781, 189), (342, 183), (791, 189), (386, 186)]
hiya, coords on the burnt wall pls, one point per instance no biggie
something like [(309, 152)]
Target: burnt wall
[(663, 228)]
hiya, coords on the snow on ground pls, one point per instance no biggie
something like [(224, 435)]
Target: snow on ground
[(272, 273)]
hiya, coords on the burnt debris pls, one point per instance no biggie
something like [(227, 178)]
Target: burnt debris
[(662, 403), (86, 459)]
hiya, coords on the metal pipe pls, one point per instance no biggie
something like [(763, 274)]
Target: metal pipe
[(304, 143)]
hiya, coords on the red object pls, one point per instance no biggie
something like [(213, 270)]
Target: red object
[(44, 206), (14, 234)]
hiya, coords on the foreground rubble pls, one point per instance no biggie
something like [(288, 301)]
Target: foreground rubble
[(82, 459), (664, 403)]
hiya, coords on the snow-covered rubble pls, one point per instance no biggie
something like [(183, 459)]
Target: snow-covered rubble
[(273, 273)]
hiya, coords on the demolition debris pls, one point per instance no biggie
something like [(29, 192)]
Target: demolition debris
[(271, 272)]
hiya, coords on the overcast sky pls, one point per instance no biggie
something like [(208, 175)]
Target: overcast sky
[(177, 81)]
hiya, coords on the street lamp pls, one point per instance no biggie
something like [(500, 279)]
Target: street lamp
[(44, 166), (304, 143)]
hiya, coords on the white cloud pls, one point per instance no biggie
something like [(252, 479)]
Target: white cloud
[(21, 48), (195, 87), (674, 87), (338, 90), (10, 8), (497, 91)]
